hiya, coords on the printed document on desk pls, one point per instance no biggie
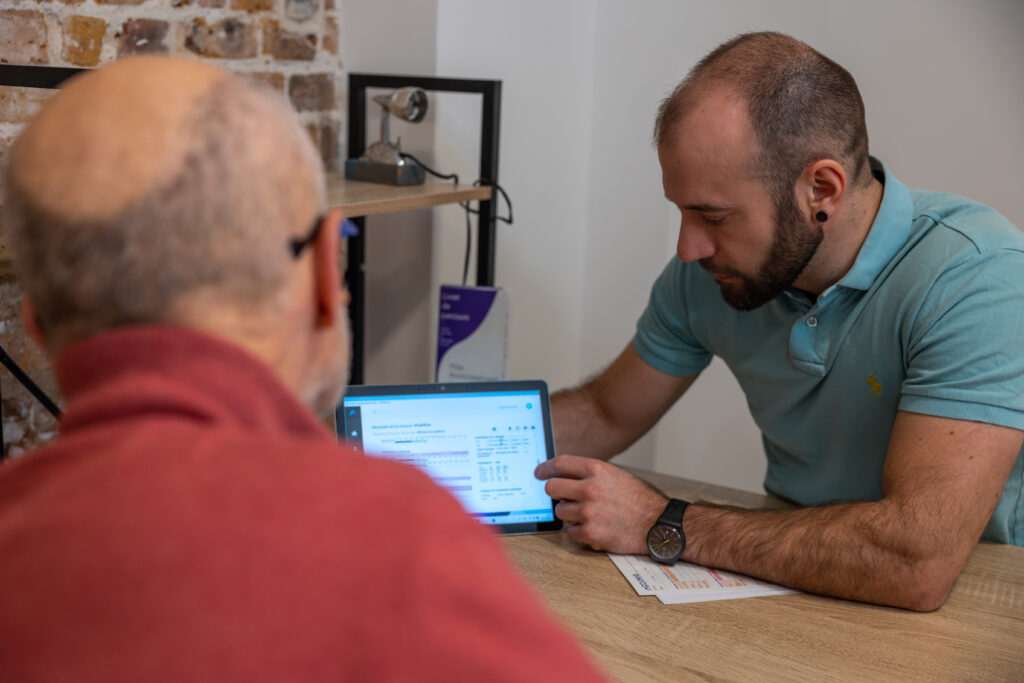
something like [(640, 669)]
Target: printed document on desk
[(685, 582)]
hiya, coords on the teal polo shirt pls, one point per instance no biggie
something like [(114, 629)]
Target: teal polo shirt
[(930, 319)]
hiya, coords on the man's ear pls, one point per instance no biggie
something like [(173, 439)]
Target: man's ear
[(327, 278), (824, 184), (31, 321)]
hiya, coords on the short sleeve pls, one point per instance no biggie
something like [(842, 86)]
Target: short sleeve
[(664, 337), (966, 346)]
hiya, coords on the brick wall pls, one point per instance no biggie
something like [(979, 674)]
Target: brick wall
[(291, 45)]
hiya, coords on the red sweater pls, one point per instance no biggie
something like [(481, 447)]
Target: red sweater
[(194, 522)]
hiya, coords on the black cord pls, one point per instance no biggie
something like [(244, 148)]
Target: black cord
[(501, 191), (465, 205), (442, 176)]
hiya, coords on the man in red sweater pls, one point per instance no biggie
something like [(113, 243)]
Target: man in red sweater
[(195, 521)]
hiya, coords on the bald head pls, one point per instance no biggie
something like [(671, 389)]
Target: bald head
[(801, 106), (112, 136), (146, 181)]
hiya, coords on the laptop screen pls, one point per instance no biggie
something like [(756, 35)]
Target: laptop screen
[(481, 441)]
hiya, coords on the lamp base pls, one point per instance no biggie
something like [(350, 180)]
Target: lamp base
[(409, 173)]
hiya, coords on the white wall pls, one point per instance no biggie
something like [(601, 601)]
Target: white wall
[(395, 37), (542, 53), (941, 82)]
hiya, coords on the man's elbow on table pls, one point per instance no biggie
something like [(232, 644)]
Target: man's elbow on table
[(929, 590), (925, 581)]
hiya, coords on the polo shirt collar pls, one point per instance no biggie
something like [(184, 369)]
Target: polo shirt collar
[(889, 232)]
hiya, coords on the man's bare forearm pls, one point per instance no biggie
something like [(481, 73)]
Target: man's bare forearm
[(861, 551), (606, 414), (942, 480), (581, 426)]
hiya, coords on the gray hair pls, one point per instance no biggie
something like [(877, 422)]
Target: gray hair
[(220, 222)]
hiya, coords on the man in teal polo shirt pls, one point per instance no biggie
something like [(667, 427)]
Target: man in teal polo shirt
[(877, 333)]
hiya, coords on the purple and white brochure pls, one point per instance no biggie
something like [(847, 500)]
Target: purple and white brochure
[(472, 334)]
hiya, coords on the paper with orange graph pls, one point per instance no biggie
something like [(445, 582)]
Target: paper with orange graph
[(685, 582)]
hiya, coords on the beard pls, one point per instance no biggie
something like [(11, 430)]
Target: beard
[(794, 244)]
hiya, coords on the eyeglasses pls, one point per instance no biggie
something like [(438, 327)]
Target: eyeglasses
[(298, 244)]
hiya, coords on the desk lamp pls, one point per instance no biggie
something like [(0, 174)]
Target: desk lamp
[(382, 162)]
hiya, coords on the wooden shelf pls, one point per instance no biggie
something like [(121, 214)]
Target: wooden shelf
[(366, 199)]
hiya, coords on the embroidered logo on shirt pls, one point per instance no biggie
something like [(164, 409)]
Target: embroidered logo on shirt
[(876, 388)]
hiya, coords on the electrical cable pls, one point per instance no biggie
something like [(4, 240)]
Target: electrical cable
[(436, 174), (465, 205), (501, 190)]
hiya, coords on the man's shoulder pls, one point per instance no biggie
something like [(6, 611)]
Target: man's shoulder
[(955, 219)]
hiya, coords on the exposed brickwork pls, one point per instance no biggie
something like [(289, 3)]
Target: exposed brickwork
[(22, 37), (330, 132), (287, 45), (312, 92), (330, 39), (83, 38), (290, 45), (301, 10), (142, 36), (18, 105), (325, 137), (272, 79), (6, 267), (226, 39), (253, 5)]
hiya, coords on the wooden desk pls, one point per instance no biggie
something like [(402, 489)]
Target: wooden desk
[(977, 635)]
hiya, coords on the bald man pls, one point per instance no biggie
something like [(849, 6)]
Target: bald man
[(194, 520), (876, 331)]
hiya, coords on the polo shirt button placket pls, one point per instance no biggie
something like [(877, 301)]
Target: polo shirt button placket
[(812, 322)]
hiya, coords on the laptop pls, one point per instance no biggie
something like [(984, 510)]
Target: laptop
[(479, 440)]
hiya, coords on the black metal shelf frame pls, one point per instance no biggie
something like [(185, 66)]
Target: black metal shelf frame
[(490, 133)]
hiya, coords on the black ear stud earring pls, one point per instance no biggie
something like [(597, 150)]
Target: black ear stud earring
[(821, 216)]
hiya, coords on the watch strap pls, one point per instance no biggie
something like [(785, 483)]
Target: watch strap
[(673, 513)]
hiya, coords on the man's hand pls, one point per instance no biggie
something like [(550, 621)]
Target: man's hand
[(602, 505)]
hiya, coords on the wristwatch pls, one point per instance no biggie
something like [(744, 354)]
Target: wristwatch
[(666, 540)]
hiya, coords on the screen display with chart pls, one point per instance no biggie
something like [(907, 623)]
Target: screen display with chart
[(480, 441)]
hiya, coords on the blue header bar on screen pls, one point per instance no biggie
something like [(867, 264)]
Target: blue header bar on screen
[(359, 400)]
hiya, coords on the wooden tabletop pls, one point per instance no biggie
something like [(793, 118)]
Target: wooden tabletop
[(977, 635), (365, 199)]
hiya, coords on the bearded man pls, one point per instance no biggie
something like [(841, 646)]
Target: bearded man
[(877, 333)]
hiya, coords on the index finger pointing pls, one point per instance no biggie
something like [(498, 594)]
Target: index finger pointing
[(571, 466)]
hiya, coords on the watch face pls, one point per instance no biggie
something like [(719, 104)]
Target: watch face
[(665, 543)]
